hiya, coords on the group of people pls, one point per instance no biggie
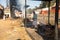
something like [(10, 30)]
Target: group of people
[(17, 13)]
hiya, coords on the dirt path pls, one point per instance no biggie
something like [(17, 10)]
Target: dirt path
[(12, 30)]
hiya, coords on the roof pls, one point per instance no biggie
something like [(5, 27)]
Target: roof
[(7, 10), (1, 7), (18, 10), (45, 9)]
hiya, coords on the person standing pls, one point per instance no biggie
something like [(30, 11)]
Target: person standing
[(34, 19)]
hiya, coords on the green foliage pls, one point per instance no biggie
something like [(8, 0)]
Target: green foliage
[(45, 4), (53, 2), (29, 11)]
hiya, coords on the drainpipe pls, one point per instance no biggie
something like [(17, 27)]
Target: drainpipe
[(48, 12), (10, 7), (56, 19), (25, 14)]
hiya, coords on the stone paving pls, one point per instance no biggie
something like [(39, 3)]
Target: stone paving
[(12, 30)]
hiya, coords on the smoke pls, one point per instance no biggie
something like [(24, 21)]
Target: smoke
[(22, 5)]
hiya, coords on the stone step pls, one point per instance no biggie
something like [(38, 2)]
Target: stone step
[(33, 34)]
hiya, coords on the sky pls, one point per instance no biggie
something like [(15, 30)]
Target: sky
[(3, 2), (32, 4), (22, 2), (29, 2)]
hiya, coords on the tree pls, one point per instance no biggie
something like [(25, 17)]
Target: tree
[(53, 2), (29, 11), (43, 4)]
